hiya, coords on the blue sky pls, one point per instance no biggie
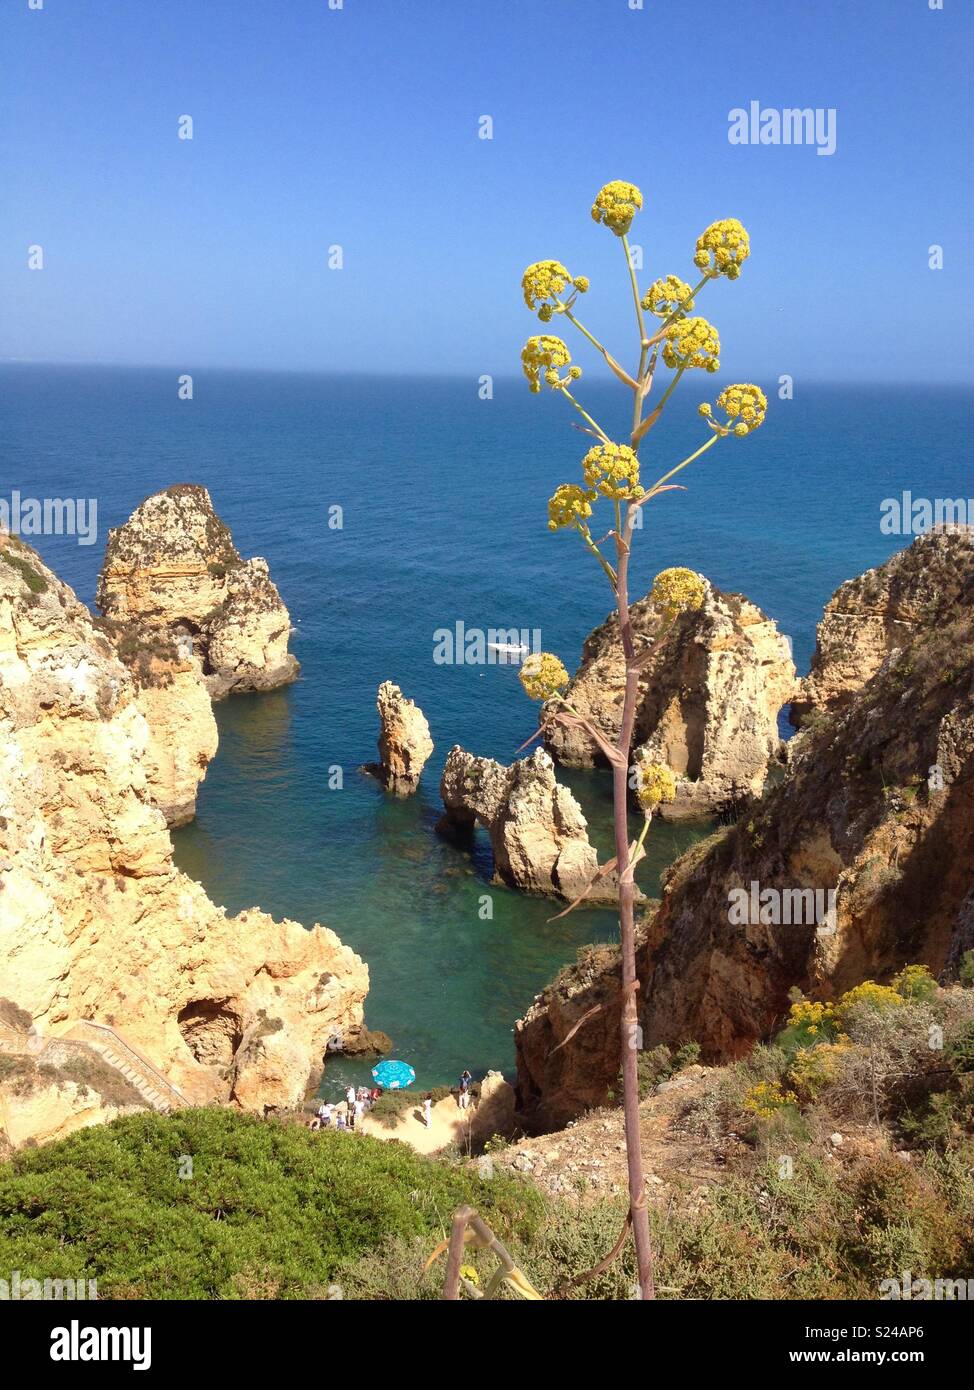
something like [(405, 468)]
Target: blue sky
[(359, 127)]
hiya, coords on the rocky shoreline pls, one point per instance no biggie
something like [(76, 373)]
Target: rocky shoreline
[(108, 728)]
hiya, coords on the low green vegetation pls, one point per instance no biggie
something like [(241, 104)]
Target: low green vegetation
[(214, 1204), (33, 578)]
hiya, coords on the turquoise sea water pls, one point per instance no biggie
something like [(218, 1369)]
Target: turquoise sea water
[(443, 497)]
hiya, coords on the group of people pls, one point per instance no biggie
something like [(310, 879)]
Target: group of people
[(463, 1097), (347, 1113)]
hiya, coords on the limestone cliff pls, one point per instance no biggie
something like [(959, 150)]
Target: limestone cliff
[(537, 831), (708, 700), (170, 691), (877, 806), (404, 741), (96, 923), (173, 567), (877, 613)]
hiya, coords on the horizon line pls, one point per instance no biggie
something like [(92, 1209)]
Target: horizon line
[(426, 374)]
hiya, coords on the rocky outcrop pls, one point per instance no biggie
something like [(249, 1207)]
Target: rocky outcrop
[(404, 741), (876, 614), (537, 831), (708, 700), (877, 808), (96, 923), (173, 568), (171, 693)]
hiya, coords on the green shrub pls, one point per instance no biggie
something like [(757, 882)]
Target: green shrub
[(271, 1209), (34, 580), (966, 972)]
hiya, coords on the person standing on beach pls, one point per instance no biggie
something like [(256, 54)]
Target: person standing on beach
[(358, 1109), (428, 1109), (464, 1097)]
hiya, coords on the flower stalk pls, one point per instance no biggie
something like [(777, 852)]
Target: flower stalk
[(611, 471)]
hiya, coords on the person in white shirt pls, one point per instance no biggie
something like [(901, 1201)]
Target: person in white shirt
[(325, 1112), (428, 1110)]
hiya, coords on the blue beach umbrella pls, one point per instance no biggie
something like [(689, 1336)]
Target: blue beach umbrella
[(392, 1076)]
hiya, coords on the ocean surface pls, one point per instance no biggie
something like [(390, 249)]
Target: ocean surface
[(443, 510)]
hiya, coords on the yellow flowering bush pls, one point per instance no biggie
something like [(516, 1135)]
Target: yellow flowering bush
[(668, 297), (692, 343), (543, 283), (915, 983), (677, 591), (815, 1068), (613, 470), (570, 505), (723, 248), (767, 1098), (616, 204), (811, 1016), (879, 998), (655, 783), (544, 354), (745, 406), (542, 675)]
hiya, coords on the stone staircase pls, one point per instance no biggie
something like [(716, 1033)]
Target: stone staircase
[(155, 1089)]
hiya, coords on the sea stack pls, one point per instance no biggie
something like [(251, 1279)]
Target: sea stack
[(404, 741), (537, 830), (173, 568), (708, 701)]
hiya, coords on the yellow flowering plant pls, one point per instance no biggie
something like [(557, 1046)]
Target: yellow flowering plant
[(680, 341)]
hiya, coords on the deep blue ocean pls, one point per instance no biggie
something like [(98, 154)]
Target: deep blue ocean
[(443, 499)]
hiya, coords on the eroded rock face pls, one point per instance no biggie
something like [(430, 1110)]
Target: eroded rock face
[(404, 740), (171, 692), (708, 701), (95, 921), (173, 567), (877, 806), (536, 827), (877, 613)]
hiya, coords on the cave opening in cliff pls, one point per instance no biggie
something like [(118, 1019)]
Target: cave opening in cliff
[(211, 1031)]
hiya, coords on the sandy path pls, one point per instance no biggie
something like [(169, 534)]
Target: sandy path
[(450, 1125)]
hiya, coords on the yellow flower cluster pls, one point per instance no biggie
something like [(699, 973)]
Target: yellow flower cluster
[(723, 248), (810, 1016), (677, 591), (815, 1068), (543, 675), (667, 297), (692, 343), (654, 783), (879, 998), (616, 205), (745, 405), (613, 470), (570, 505), (546, 353), (543, 282), (766, 1098)]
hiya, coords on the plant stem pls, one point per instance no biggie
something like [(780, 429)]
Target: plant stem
[(629, 1021), (587, 538), (598, 428), (584, 331), (643, 340), (670, 389), (673, 471)]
